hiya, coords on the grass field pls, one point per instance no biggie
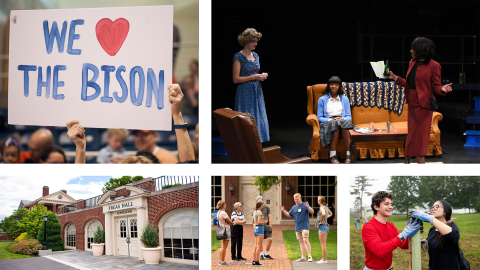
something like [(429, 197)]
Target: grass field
[(215, 243), (469, 242), (293, 247), (7, 255)]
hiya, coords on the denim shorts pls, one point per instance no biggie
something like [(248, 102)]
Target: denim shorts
[(259, 230), (323, 228)]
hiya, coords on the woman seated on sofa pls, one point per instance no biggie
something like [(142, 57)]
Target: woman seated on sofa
[(333, 112)]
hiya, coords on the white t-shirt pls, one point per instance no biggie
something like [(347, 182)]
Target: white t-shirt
[(334, 107)]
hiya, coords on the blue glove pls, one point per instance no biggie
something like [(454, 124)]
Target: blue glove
[(411, 228), (422, 216)]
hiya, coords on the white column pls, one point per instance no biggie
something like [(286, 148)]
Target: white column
[(142, 219), (109, 234)]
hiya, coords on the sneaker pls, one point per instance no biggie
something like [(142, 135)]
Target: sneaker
[(268, 257), (302, 259), (310, 259), (258, 264), (261, 257), (241, 259), (224, 264), (234, 259), (322, 261), (253, 263)]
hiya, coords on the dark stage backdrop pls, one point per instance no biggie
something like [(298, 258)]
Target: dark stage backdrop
[(307, 42)]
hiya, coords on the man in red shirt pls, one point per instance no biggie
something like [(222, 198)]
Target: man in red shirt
[(381, 238)]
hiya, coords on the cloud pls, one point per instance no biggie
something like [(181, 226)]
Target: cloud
[(17, 188)]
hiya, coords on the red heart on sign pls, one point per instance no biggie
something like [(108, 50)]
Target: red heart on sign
[(111, 35)]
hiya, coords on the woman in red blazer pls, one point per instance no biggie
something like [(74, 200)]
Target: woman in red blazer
[(422, 80)]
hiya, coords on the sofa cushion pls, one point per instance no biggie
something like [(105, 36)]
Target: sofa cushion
[(365, 115), (394, 117)]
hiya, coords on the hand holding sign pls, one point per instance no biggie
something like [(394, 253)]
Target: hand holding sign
[(175, 96), (77, 134)]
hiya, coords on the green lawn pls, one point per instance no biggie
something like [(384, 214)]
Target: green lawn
[(215, 243), (293, 247), (7, 255), (469, 242)]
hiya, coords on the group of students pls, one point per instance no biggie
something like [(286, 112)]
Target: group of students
[(381, 238), (42, 149), (261, 221)]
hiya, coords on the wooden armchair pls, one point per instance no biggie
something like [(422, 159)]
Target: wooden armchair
[(242, 142)]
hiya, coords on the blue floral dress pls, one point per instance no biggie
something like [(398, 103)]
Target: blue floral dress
[(249, 97)]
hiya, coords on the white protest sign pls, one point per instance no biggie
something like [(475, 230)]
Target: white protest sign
[(105, 67)]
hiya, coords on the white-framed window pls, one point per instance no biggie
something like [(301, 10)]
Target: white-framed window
[(310, 187), (180, 234), (123, 228), (90, 229), (216, 191), (71, 236), (133, 228)]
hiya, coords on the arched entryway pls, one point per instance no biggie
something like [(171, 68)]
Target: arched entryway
[(70, 236), (90, 228), (179, 234)]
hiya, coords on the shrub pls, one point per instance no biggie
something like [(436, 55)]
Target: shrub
[(26, 247), (149, 236), (99, 236), (54, 230), (169, 186), (477, 207), (21, 237)]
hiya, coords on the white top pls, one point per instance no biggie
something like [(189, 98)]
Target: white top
[(334, 107)]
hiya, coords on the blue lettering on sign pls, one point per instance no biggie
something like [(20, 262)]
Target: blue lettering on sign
[(89, 83), (152, 86), (26, 69), (137, 99), (106, 97), (72, 36), (123, 85), (41, 83), (57, 83), (54, 33)]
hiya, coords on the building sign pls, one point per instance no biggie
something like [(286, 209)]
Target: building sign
[(125, 212), (120, 206)]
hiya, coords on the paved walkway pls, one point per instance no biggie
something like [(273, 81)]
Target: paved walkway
[(331, 265), (37, 263), (278, 251), (85, 260)]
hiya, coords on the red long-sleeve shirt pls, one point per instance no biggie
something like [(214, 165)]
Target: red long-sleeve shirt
[(380, 240)]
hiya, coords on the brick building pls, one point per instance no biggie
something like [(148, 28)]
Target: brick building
[(124, 211), (310, 187)]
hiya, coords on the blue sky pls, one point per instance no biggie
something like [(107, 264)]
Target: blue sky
[(16, 188)]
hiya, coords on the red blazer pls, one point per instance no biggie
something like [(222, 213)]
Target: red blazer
[(427, 80)]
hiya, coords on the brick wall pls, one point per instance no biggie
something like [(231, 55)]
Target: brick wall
[(160, 204), (287, 200), (122, 192), (231, 199), (80, 204), (80, 219), (4, 237), (149, 185)]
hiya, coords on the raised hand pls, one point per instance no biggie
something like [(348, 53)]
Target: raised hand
[(282, 208), (411, 228), (175, 97), (306, 203), (422, 216), (76, 133)]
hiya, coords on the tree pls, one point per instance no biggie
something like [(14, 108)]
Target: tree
[(433, 188), (360, 189), (477, 207), (32, 221), (404, 190), (264, 183), (10, 224), (118, 182), (467, 193), (54, 230)]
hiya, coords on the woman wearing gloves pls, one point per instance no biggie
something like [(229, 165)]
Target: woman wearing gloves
[(380, 237), (442, 238)]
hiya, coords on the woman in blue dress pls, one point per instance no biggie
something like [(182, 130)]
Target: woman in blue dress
[(249, 97)]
